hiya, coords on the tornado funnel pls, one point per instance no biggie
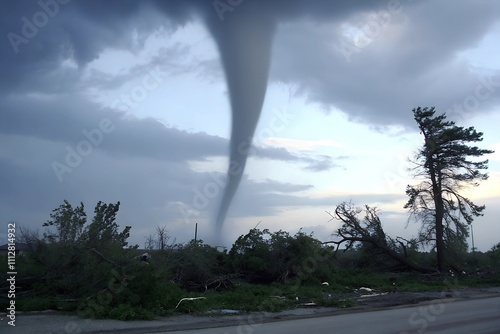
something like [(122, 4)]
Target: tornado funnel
[(244, 40)]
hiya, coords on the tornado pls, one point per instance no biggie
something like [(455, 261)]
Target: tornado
[(244, 39)]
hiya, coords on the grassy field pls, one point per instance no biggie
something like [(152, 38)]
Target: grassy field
[(244, 297)]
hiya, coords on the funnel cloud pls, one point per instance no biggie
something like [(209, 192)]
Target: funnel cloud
[(244, 41)]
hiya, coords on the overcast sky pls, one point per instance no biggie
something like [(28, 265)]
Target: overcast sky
[(127, 101)]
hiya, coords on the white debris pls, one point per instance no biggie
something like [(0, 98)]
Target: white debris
[(183, 299)]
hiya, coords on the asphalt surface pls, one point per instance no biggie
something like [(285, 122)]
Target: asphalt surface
[(52, 322), (478, 316)]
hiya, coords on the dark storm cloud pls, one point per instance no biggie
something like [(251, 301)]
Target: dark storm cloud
[(37, 36), (34, 41), (407, 65), (70, 120), (411, 61)]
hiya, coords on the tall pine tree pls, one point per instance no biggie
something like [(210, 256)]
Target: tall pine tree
[(445, 165)]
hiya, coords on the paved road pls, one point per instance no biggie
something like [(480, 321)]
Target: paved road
[(473, 316)]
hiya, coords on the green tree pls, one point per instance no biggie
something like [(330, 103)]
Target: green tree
[(78, 260), (103, 231), (251, 256), (68, 222), (445, 167), (494, 253), (263, 257)]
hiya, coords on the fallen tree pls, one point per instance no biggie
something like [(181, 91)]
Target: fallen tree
[(369, 230)]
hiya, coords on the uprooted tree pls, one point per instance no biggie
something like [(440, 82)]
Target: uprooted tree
[(444, 165), (368, 230)]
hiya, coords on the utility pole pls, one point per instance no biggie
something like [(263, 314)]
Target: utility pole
[(472, 236), (196, 232)]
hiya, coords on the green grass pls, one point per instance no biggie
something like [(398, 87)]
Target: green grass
[(250, 298), (263, 298)]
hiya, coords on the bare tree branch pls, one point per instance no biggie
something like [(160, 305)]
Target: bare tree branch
[(369, 230)]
